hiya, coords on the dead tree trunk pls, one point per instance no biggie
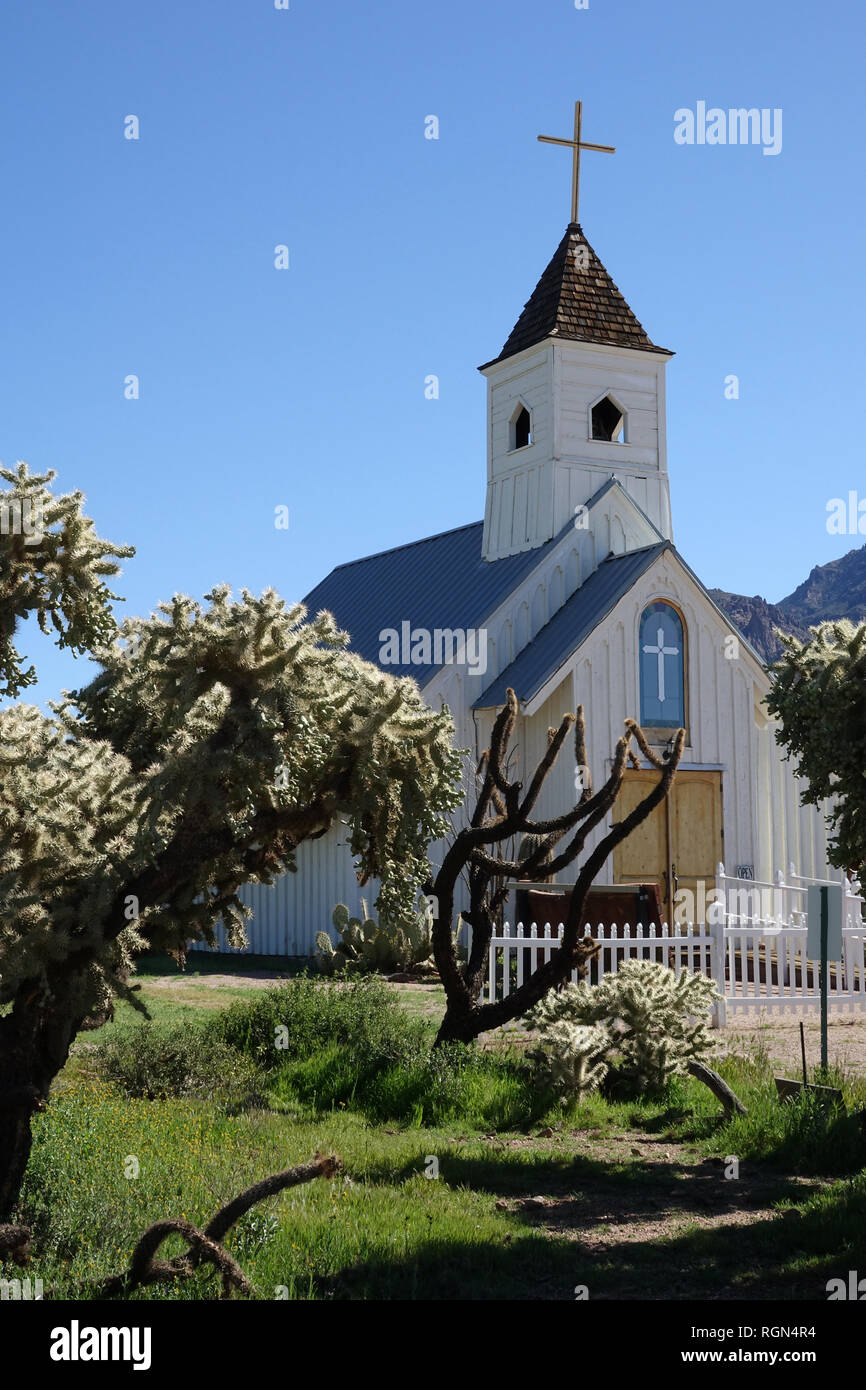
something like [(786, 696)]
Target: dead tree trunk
[(719, 1087), (206, 1245), (502, 811)]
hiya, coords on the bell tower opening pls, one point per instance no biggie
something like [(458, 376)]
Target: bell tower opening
[(607, 421), (521, 428)]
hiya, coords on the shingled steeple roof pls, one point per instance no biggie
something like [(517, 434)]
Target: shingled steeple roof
[(576, 299)]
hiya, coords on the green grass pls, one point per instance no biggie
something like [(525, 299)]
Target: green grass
[(800, 1136), (382, 1229), (355, 1047), (479, 1090), (348, 1069), (87, 1214)]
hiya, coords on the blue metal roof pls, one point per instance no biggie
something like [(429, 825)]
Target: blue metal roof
[(440, 582), (570, 625)]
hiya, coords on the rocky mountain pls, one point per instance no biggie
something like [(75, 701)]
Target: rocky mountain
[(834, 590)]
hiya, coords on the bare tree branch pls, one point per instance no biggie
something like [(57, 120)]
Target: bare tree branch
[(207, 1245), (489, 872)]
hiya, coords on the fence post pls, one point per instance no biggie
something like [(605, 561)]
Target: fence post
[(720, 888), (784, 918), (717, 965), (779, 904)]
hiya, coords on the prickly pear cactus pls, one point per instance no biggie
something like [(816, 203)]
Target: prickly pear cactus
[(340, 916), (366, 944), (325, 954)]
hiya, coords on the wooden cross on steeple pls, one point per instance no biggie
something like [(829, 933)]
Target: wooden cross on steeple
[(576, 145)]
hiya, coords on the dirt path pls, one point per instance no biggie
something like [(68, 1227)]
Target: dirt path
[(779, 1037), (253, 979), (649, 1220)]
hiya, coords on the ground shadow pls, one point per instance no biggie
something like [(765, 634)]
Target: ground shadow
[(585, 1190), (790, 1256)]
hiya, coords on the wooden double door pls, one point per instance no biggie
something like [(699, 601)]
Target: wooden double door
[(679, 843)]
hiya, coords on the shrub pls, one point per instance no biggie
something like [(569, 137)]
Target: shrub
[(301, 1016), (653, 1020), (332, 1044), (456, 1082), (157, 1062)]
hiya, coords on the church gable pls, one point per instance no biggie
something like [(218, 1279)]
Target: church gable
[(615, 521), (609, 523), (540, 662), (643, 592)]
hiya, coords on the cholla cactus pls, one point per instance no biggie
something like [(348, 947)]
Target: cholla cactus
[(817, 694), (216, 738), (571, 1057), (53, 565), (656, 1021)]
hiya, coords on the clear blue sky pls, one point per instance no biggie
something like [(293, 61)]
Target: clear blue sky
[(411, 256)]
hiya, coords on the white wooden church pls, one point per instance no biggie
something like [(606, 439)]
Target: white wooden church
[(572, 591)]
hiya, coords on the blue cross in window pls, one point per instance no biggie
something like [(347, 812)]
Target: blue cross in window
[(662, 693), (661, 651)]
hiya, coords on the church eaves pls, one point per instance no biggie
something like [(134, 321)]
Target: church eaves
[(576, 300)]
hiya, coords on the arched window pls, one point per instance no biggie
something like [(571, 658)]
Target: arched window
[(662, 668)]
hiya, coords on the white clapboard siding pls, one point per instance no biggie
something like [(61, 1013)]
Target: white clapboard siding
[(532, 491), (287, 915)]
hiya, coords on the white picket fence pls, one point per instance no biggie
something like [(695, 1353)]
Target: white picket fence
[(515, 955), (781, 903), (757, 962), (755, 966)]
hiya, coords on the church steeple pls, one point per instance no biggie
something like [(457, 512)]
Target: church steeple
[(576, 299), (575, 397)]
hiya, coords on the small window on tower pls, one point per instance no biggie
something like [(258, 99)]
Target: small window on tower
[(521, 429), (608, 421)]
